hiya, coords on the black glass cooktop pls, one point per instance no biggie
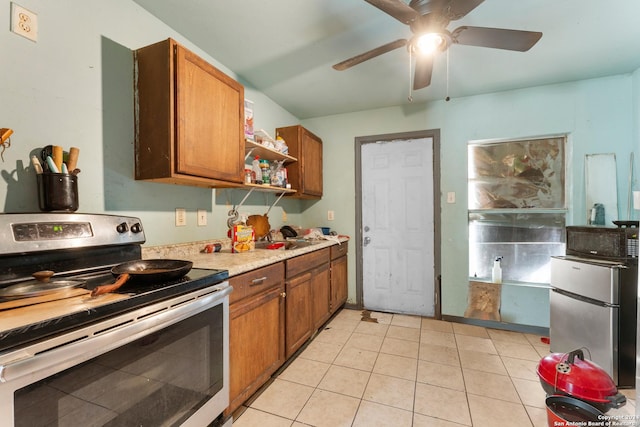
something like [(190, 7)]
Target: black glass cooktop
[(139, 295)]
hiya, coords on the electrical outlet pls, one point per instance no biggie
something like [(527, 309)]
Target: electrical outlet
[(330, 216), (202, 217), (284, 215), (24, 22), (181, 217)]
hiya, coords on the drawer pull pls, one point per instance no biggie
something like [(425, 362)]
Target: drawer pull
[(258, 280)]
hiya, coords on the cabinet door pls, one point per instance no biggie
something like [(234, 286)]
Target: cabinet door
[(209, 120), (338, 282), (320, 295), (188, 119), (256, 343), (305, 175), (311, 164), (298, 312)]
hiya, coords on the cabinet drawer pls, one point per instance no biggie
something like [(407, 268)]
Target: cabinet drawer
[(339, 250), (306, 262), (255, 281)]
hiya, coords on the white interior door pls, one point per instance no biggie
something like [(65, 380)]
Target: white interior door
[(398, 267)]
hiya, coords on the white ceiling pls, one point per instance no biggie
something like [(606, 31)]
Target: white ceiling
[(285, 48)]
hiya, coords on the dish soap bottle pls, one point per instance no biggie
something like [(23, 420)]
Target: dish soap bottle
[(496, 273)]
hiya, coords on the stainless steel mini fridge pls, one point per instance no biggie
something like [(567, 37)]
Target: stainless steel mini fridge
[(593, 307)]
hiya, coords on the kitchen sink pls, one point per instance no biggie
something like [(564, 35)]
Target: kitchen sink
[(286, 244)]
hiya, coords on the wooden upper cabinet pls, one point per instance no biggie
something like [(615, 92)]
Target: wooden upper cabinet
[(189, 119), (306, 174)]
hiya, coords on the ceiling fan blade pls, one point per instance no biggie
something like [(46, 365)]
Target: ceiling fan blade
[(457, 9), (396, 8), (497, 38), (423, 71), (370, 54)]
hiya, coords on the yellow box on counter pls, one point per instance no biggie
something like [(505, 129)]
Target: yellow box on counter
[(243, 238)]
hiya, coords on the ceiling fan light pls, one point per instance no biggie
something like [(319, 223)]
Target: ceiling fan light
[(430, 42)]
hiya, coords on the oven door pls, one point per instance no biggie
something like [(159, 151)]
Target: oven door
[(162, 365)]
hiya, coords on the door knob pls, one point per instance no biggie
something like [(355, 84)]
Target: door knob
[(367, 240)]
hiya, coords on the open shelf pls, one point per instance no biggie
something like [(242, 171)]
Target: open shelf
[(268, 188), (253, 149)]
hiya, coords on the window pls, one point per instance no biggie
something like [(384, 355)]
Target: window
[(517, 207)]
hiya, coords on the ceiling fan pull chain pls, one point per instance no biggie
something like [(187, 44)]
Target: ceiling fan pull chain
[(410, 97), (447, 97)]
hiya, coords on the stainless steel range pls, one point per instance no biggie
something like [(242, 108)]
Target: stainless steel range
[(149, 354)]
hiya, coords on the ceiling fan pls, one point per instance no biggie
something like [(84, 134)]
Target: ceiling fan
[(428, 20)]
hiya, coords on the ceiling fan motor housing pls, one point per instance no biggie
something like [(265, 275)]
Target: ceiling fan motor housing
[(432, 17)]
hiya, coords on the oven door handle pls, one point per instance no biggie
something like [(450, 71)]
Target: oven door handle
[(108, 335)]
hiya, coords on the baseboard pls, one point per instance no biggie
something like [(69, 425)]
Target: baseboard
[(494, 324), (527, 329)]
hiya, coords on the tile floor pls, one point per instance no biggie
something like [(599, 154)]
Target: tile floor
[(408, 371)]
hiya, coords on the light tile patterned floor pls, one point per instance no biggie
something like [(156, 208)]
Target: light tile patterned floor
[(408, 371)]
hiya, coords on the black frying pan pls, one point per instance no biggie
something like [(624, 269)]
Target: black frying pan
[(145, 271)]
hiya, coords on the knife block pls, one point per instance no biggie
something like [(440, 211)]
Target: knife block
[(58, 192)]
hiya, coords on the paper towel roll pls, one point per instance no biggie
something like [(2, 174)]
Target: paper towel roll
[(636, 200)]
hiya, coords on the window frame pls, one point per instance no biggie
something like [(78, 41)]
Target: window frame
[(556, 213)]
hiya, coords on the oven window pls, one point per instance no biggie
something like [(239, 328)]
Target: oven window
[(157, 380)]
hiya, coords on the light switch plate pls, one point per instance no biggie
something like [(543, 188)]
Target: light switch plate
[(451, 197), (202, 217), (181, 217)]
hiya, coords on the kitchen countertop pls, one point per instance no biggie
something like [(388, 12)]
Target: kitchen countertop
[(235, 263)]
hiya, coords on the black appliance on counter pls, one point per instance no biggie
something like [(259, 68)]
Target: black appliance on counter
[(593, 299), (607, 243), (150, 353)]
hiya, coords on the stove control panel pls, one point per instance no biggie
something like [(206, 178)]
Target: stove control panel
[(25, 232), (50, 231)]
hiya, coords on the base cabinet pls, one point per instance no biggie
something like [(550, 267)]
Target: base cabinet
[(274, 310), (256, 331), (298, 312), (339, 277), (307, 302), (320, 296)]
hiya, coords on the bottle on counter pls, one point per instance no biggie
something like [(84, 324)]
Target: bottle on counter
[(265, 171), (496, 272)]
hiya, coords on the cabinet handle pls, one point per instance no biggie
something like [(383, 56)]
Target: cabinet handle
[(283, 294), (258, 280)]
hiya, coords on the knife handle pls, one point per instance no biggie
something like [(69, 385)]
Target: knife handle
[(72, 161), (57, 156)]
